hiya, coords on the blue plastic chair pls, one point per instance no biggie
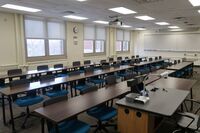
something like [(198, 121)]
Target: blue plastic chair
[(31, 98), (102, 112), (81, 86), (55, 90), (59, 74), (72, 126)]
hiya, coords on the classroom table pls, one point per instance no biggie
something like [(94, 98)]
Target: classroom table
[(36, 72), (180, 66), (140, 118), (9, 91), (147, 63), (160, 71), (81, 103)]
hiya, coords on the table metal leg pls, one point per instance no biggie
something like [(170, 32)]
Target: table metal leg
[(3, 110), (191, 96), (42, 125), (57, 129), (11, 114)]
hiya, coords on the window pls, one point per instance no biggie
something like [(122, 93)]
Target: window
[(44, 38), (123, 41), (94, 40)]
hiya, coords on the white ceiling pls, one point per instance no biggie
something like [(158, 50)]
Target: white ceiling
[(162, 10)]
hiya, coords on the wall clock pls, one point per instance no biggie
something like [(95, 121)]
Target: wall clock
[(75, 29)]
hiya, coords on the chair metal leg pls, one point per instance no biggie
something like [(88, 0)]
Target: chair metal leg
[(11, 114), (3, 110)]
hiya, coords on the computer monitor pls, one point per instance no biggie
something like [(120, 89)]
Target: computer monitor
[(137, 84)]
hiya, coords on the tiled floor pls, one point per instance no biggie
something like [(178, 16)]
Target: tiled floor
[(33, 124)]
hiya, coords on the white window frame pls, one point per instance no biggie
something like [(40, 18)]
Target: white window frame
[(94, 53), (122, 42), (47, 56)]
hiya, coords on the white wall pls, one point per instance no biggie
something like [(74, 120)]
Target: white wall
[(139, 47)]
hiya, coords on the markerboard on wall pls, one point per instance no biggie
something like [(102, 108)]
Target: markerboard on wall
[(185, 42)]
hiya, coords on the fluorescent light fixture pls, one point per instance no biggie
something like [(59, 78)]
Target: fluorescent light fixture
[(140, 29), (199, 11), (195, 2), (126, 26), (173, 27), (101, 22), (81, 0), (20, 8), (122, 10), (162, 23), (75, 17), (144, 17), (176, 29)]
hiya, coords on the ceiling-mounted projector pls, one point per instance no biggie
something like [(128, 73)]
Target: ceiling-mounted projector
[(116, 22)]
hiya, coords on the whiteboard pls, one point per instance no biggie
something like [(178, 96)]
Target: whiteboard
[(172, 42)]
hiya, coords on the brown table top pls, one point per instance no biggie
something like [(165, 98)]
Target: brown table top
[(174, 83), (59, 112), (179, 66), (148, 62), (37, 85), (189, 59), (160, 71)]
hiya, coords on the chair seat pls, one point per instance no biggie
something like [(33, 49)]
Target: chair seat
[(72, 126), (184, 121), (97, 81), (61, 75), (81, 87), (103, 113), (56, 93), (28, 100)]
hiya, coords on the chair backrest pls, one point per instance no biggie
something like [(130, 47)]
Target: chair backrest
[(47, 78), (19, 82), (116, 64), (175, 62), (73, 73), (54, 100), (137, 56), (111, 80), (119, 58), (129, 76), (133, 57), (160, 57), (111, 59), (103, 61), (150, 59), (87, 62), (126, 58), (137, 61), (156, 58), (42, 67), (89, 89), (76, 63), (105, 66), (89, 69), (14, 72), (132, 62), (58, 66)]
